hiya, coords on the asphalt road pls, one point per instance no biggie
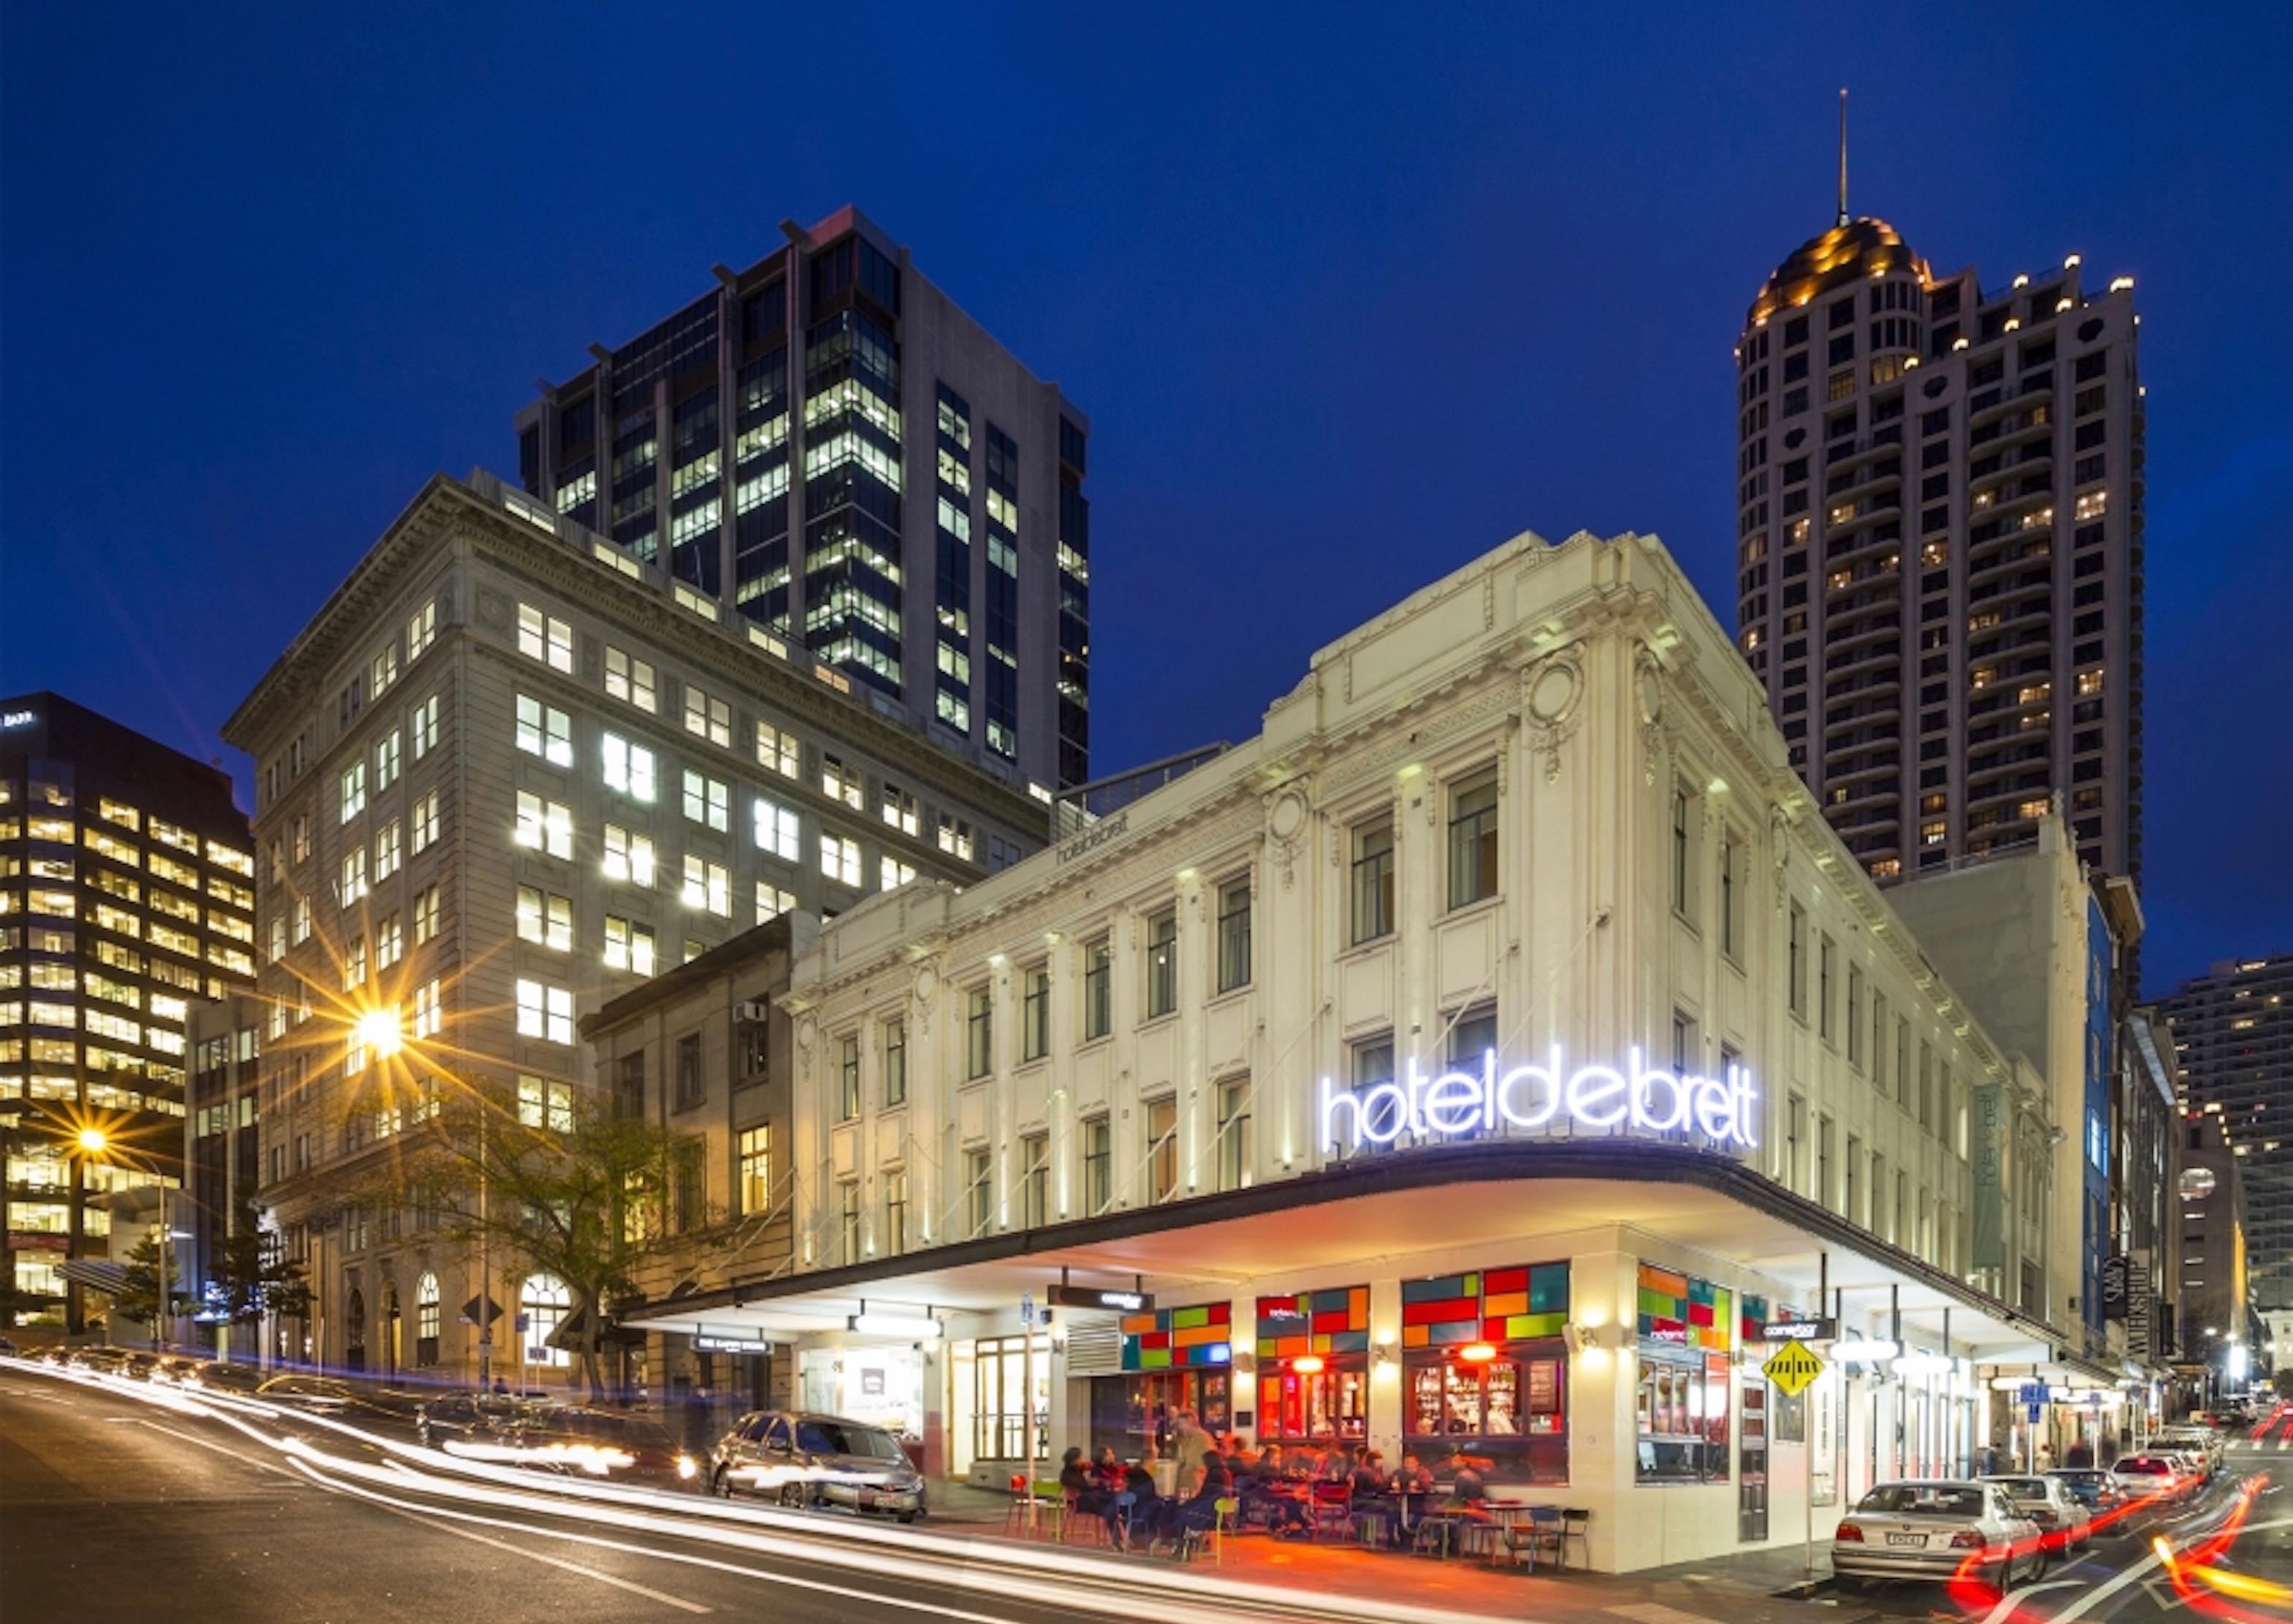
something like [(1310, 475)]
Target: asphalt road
[(111, 1510)]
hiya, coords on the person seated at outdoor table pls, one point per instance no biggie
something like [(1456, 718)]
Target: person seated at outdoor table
[(1413, 1478), (1467, 1486), (1337, 1465), (1106, 1471), (1135, 1506), (1199, 1510), (1267, 1495), (1369, 1479), (1081, 1484)]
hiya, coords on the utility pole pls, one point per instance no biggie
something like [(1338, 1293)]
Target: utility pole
[(485, 1270)]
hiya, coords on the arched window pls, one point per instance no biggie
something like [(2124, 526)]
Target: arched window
[(545, 1303), (354, 1331), (425, 1320)]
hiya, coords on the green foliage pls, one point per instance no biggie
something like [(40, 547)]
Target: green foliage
[(138, 1297), (589, 1196), (252, 1274)]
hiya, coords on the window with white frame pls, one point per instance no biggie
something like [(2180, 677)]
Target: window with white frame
[(354, 882), (708, 717), (707, 801), (545, 917), (301, 919), (779, 750), (772, 901), (421, 631), (422, 727), (955, 836), (708, 886), (428, 1018), (628, 946), (544, 1102), (628, 768), (422, 823), (778, 830), (628, 856), (353, 790), (385, 851), (629, 678), (426, 915), (382, 673), (545, 1012), (893, 873), (389, 943), (839, 860), (385, 761), (544, 730), (544, 826), (841, 783), (544, 638), (900, 810)]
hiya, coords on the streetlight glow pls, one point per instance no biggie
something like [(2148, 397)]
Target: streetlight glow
[(377, 1029), (94, 1142)]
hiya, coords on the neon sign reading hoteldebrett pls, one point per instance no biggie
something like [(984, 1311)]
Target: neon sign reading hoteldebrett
[(1532, 1096)]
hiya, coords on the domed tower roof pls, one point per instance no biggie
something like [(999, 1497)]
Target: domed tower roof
[(1832, 259)]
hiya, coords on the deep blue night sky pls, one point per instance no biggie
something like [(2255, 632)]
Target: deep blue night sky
[(1349, 300)]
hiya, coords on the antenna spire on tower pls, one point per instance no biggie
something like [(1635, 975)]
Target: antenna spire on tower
[(1843, 155)]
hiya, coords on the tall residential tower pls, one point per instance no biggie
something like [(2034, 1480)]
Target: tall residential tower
[(1939, 548), (825, 447)]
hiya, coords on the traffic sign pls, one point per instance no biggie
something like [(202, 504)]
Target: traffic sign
[(1794, 1367), (2033, 1394)]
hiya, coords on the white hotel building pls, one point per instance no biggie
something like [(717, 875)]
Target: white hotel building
[(1536, 817)]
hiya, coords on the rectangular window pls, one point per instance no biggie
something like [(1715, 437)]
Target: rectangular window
[(422, 727), (1855, 1015), (628, 856), (1473, 839), (1098, 1165), (544, 637), (1034, 1180), (544, 826), (1035, 1015), (892, 873), (772, 901), (687, 1081), (545, 919), (543, 1102), (385, 851), (1161, 963), (1372, 880), (629, 678), (839, 860), (1730, 927), (778, 751), (386, 758), (1161, 1149), (777, 831), (353, 790), (707, 801), (426, 915), (899, 809), (544, 731), (1683, 853), (848, 1077), (1097, 988), (629, 945), (353, 885), (841, 783), (628, 768), (1234, 935), (1826, 955), (978, 1191), (545, 1012), (421, 631), (1796, 985), (895, 1212), (979, 1032), (708, 886), (755, 1154), (895, 1063), (1234, 1149), (707, 717)]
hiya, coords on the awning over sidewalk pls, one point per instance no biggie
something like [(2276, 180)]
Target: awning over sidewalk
[(1391, 1207), (96, 1274)]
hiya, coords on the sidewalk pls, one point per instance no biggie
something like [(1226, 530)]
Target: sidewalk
[(1738, 1589)]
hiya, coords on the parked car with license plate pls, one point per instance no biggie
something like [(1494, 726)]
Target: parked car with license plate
[(2153, 1476), (1933, 1529), (802, 1459), (2096, 1490)]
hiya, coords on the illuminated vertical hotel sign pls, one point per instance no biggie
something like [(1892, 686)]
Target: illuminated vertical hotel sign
[(1540, 1096)]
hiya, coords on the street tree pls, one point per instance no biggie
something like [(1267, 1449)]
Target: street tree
[(251, 1275), (558, 1180), (137, 1295)]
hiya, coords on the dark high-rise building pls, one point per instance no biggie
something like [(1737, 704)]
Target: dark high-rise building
[(825, 449), (2233, 1038), (1940, 553), (127, 896)]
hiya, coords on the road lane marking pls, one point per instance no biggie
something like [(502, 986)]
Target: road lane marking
[(554, 1561), (207, 1443), (938, 1609)]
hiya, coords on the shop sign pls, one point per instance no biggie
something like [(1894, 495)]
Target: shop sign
[(1797, 1330), (1092, 1296), (730, 1344), (1454, 1102)]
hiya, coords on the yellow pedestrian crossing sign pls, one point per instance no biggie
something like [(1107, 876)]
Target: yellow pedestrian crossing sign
[(1794, 1367)]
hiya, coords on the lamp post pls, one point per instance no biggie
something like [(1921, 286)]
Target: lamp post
[(86, 1144)]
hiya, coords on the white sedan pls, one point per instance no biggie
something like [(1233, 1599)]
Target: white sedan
[(1933, 1529), (2062, 1518)]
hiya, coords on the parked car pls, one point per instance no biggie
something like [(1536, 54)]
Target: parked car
[(801, 1458), (2200, 1443), (213, 1376), (1933, 1529), (102, 1360), (2096, 1490), (328, 1395), (2153, 1476), (2063, 1521)]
